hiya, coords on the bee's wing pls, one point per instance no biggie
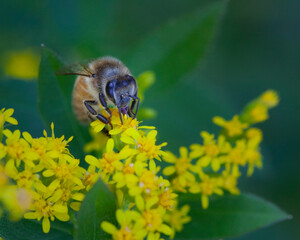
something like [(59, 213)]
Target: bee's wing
[(79, 69)]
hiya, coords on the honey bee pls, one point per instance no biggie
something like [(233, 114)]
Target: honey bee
[(104, 82)]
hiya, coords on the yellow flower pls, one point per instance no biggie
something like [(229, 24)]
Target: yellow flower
[(90, 177), (253, 156), (16, 201), (57, 144), (97, 125), (67, 192), (144, 145), (118, 127), (26, 179), (40, 151), (22, 64), (151, 219), (229, 182), (181, 168), (126, 174), (177, 218), (16, 147), (233, 128), (254, 133), (207, 187), (6, 116), (236, 157), (42, 208), (65, 170), (259, 113), (145, 181), (128, 229), (167, 199), (269, 98), (110, 161), (211, 152)]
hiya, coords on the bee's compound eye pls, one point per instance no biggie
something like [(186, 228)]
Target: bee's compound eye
[(110, 88), (130, 79)]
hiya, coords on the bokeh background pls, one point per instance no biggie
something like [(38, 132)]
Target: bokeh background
[(255, 47)]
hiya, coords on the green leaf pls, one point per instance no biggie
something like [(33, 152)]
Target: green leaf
[(176, 48), (229, 216), (22, 96), (29, 229), (55, 102), (99, 205)]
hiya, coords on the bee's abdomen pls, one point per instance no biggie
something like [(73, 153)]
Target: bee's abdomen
[(80, 94)]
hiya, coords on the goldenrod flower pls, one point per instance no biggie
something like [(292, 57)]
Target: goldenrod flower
[(15, 200), (167, 199), (90, 177), (145, 181), (124, 176), (118, 127), (57, 144), (177, 218), (145, 146), (64, 170), (236, 157), (23, 64), (211, 152), (229, 182), (254, 133), (6, 116), (257, 110), (181, 167), (43, 208), (67, 192), (129, 230), (233, 128), (16, 148), (259, 113), (110, 161), (44, 168), (252, 155), (207, 187), (151, 218), (269, 98)]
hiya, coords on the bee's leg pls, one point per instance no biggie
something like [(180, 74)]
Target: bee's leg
[(136, 101), (104, 104), (92, 111), (130, 113), (130, 110)]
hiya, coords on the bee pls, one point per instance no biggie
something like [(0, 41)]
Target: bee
[(104, 82)]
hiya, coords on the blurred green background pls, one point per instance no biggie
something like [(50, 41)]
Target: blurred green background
[(255, 47)]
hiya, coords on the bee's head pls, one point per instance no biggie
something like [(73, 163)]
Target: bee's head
[(120, 90)]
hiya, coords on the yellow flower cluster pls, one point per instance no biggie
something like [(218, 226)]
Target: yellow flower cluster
[(147, 203), (214, 166), (40, 179), (16, 200), (43, 169)]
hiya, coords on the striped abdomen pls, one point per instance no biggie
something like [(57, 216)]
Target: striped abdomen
[(81, 93)]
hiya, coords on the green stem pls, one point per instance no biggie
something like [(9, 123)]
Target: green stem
[(118, 143)]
